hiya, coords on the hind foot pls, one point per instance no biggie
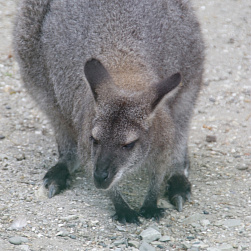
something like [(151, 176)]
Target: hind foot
[(56, 179), (179, 190)]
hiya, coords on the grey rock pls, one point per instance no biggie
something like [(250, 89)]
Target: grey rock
[(193, 218), (205, 222), (226, 247), (134, 244), (211, 138), (62, 233), (119, 242), (150, 234), (146, 247), (165, 238), (243, 167), (229, 223), (18, 240)]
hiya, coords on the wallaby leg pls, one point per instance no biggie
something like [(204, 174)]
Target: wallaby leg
[(178, 185), (123, 212), (57, 177), (149, 208)]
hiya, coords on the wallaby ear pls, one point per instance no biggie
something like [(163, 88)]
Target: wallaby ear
[(165, 87), (96, 74)]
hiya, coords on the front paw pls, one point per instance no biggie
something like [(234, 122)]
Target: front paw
[(127, 216), (56, 179), (152, 212)]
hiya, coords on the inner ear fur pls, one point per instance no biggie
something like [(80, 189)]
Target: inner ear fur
[(96, 75), (164, 87)]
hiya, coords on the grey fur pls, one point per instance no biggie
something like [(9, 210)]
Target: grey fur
[(105, 70)]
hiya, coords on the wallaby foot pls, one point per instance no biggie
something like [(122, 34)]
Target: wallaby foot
[(56, 179), (126, 216), (152, 212), (179, 190)]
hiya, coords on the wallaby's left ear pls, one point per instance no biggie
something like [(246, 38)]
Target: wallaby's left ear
[(96, 74), (164, 87)]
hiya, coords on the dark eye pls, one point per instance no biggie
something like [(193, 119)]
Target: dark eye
[(130, 145), (94, 141)]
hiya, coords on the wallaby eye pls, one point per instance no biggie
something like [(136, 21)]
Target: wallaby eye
[(94, 141), (130, 145)]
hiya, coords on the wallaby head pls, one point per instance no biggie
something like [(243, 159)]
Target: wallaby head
[(121, 133)]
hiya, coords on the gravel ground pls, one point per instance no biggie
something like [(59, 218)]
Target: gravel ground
[(219, 216)]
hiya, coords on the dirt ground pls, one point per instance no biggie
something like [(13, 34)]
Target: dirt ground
[(219, 215)]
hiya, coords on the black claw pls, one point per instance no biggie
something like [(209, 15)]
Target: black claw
[(179, 190), (178, 201), (152, 212)]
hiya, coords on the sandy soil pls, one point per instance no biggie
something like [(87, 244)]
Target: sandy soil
[(219, 216)]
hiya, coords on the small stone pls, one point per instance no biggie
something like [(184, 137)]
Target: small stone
[(205, 212), (232, 223), (190, 237), (210, 138), (165, 238), (205, 222), (72, 236), (150, 234), (121, 229), (69, 218), (119, 242), (62, 233), (18, 240), (226, 247), (20, 157), (2, 137), (243, 167), (134, 244), (146, 247), (193, 218)]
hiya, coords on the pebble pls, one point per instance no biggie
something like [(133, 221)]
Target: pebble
[(229, 223), (205, 222), (165, 238), (223, 247), (146, 247), (134, 244), (193, 218), (150, 234), (243, 167), (2, 137), (119, 242), (211, 138), (69, 218), (18, 240), (62, 233)]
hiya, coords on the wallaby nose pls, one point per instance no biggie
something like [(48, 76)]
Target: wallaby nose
[(100, 176)]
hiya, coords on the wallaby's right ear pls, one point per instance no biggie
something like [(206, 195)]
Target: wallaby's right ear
[(96, 74)]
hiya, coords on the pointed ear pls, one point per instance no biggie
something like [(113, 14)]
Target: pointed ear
[(96, 74), (165, 87)]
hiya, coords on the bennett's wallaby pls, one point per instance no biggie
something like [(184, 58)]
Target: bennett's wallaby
[(118, 81)]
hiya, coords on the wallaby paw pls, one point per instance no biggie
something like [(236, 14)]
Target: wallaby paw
[(152, 212), (127, 216), (56, 179), (179, 190)]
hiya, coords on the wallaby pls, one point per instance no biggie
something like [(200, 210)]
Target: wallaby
[(118, 81)]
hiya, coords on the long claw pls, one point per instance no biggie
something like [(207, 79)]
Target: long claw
[(53, 189), (178, 202)]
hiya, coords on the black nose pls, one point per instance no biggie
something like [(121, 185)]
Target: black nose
[(100, 176)]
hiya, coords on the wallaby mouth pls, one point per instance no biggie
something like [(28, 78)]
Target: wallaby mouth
[(103, 179)]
